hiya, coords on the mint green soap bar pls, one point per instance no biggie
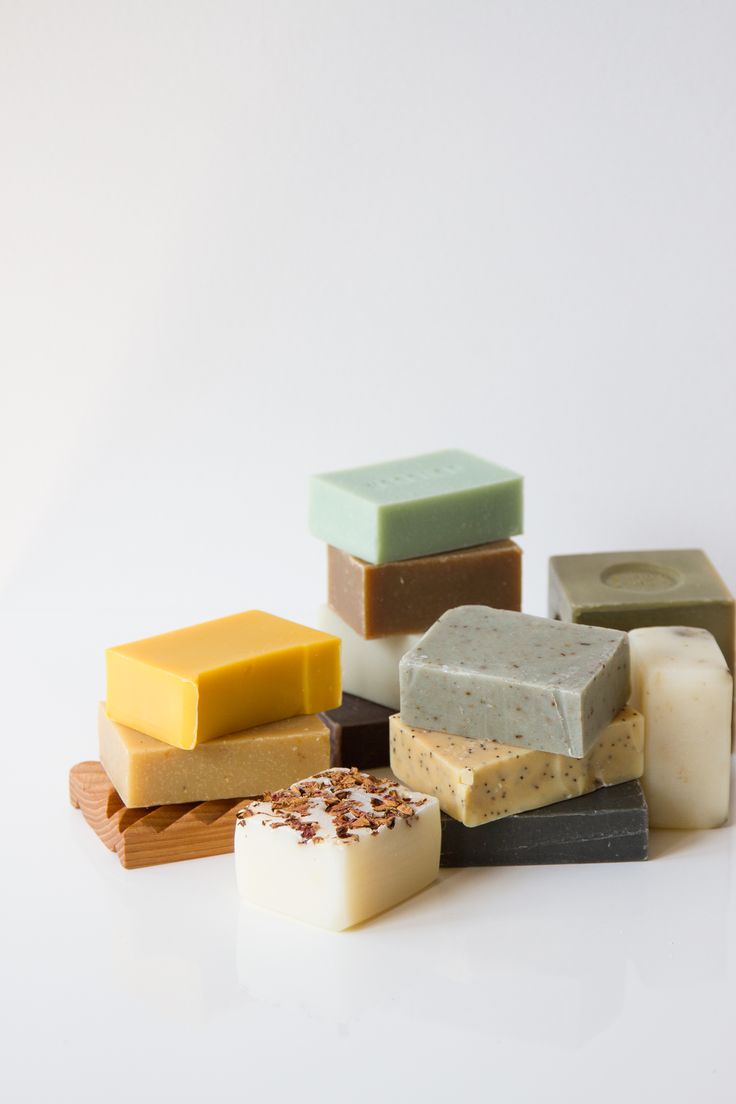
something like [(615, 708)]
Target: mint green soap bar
[(416, 507)]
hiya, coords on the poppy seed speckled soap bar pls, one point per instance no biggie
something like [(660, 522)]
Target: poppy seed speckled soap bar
[(415, 507), (477, 781), (524, 681)]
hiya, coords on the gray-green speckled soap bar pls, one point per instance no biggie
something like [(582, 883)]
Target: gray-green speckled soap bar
[(525, 681)]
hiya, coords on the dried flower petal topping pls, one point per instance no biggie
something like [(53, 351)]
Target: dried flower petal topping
[(339, 802)]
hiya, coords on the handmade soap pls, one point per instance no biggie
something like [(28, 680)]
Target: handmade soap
[(415, 507), (477, 781), (633, 590), (607, 825), (408, 596), (223, 676), (524, 681), (682, 685), (338, 848), (370, 668), (358, 733), (149, 837), (145, 771)]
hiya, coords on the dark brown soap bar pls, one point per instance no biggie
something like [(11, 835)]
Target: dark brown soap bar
[(358, 733), (408, 596)]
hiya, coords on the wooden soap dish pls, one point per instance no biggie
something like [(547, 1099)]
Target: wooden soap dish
[(160, 834)]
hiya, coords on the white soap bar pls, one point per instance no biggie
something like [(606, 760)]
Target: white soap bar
[(682, 685), (337, 848), (370, 668)]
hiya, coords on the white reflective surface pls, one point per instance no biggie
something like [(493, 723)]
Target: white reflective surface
[(241, 242), (517, 981)]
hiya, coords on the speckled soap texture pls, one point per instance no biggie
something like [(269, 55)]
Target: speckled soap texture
[(477, 781), (524, 681), (416, 507)]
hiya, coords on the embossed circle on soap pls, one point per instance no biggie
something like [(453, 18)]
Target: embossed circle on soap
[(645, 577)]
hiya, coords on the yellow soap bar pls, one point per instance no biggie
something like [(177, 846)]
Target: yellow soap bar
[(269, 757), (222, 676)]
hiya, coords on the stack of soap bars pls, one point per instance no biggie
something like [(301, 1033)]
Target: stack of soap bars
[(510, 739), (196, 720), (680, 618), (502, 713), (407, 540)]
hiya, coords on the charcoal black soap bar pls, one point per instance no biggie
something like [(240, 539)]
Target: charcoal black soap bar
[(608, 825), (358, 733)]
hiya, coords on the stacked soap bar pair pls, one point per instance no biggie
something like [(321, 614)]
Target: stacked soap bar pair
[(680, 617), (407, 540), (502, 713), (196, 720)]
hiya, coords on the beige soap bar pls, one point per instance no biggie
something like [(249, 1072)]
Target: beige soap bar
[(147, 772), (476, 781), (682, 685)]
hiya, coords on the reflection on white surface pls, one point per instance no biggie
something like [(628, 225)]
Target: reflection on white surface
[(545, 955), (693, 933), (173, 965), (249, 241), (520, 968)]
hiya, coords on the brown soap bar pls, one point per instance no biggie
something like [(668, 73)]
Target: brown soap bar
[(359, 733), (408, 596), (160, 834)]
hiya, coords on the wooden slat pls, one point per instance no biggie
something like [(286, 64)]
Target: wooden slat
[(161, 834)]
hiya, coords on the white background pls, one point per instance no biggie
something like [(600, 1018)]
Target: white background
[(243, 241)]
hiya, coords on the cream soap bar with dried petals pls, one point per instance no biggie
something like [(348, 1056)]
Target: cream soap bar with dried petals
[(337, 848)]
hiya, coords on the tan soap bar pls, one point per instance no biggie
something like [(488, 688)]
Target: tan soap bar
[(146, 772), (407, 596), (477, 781)]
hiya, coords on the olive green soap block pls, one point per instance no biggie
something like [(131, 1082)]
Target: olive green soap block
[(416, 507), (524, 681), (637, 590)]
